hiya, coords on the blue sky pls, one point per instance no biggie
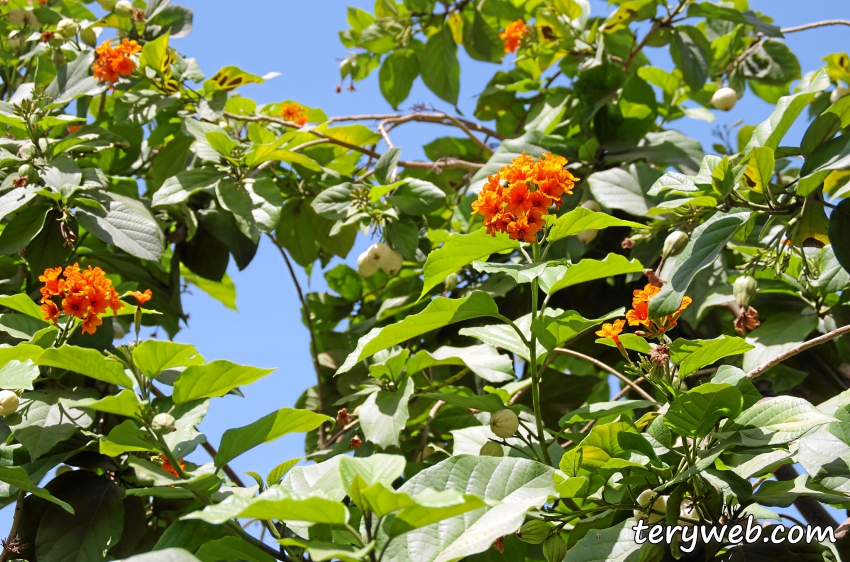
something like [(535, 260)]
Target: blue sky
[(299, 39)]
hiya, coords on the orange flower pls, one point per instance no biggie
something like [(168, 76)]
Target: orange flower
[(639, 315), (142, 297), (294, 113), (513, 35), (111, 63), (643, 295), (520, 207), (75, 305), (51, 311), (74, 128), (91, 323), (686, 301), (166, 466), (612, 331)]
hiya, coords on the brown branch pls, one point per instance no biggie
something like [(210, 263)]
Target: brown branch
[(814, 25), (313, 348), (798, 349), (607, 368), (437, 118), (810, 508), (425, 430), (16, 521), (655, 27)]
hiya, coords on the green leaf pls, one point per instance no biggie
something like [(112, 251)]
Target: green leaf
[(92, 530), (398, 71), (229, 78), (515, 484), (708, 10), (15, 375), (384, 414), (234, 442), (486, 403), (87, 362), (590, 270), (179, 188), (278, 472), (125, 403), (691, 52), (74, 80), (22, 229), (127, 224), (154, 53), (624, 188), (439, 67), (505, 337), (691, 356), (216, 378), (18, 477), (553, 331), (235, 198), (826, 126), (602, 444), (706, 242), (839, 232), (632, 342), (460, 250), (771, 131), (615, 544), (22, 303), (777, 420), (126, 437), (603, 410), (417, 197), (41, 422), (428, 507), (153, 357), (15, 199), (334, 202), (772, 63), (776, 335), (580, 218), (274, 503), (737, 378), (481, 41), (521, 273), (694, 413), (232, 548), (439, 313), (21, 326), (387, 164), (483, 360), (327, 551), (223, 291)]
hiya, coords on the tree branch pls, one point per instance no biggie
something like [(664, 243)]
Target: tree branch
[(16, 521), (824, 23), (313, 348), (609, 369), (798, 349)]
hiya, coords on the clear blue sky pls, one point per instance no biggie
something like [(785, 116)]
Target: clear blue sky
[(299, 40)]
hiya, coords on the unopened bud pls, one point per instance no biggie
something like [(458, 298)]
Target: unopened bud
[(451, 282), (587, 236), (107, 5), (491, 449), (504, 423), (744, 289), (123, 9), (724, 99), (118, 330), (592, 205), (534, 531), (67, 28), (838, 93), (25, 170), (9, 402), (89, 36), (675, 242), (163, 423), (554, 549)]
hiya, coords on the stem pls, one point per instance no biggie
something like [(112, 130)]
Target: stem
[(798, 349), (607, 368), (814, 25), (655, 27), (313, 348), (535, 376), (16, 521)]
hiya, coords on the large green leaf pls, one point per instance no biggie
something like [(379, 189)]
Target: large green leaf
[(439, 312), (127, 224), (691, 52), (152, 357), (521, 273), (439, 67), (16, 375), (553, 331), (234, 442), (777, 420), (179, 188), (87, 362), (826, 126), (615, 544), (74, 80), (581, 218), (16, 198), (747, 17), (21, 326), (590, 270), (707, 241), (603, 410), (505, 337), (22, 229), (777, 334), (839, 232), (18, 477), (417, 197), (461, 250), (275, 503), (232, 548), (125, 403), (164, 555), (23, 304), (485, 403), (398, 71), (384, 414), (517, 484), (694, 413), (692, 355), (216, 378), (126, 437), (625, 188), (483, 360)]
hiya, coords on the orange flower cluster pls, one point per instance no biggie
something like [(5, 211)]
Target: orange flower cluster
[(114, 62), (531, 188), (142, 298), (512, 35), (84, 294), (639, 315), (294, 113), (166, 466)]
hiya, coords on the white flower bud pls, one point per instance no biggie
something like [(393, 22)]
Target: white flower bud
[(89, 36), (838, 93), (9, 402), (123, 9), (163, 423), (675, 242), (504, 423), (659, 505), (366, 266), (592, 205), (27, 150), (744, 288), (118, 330), (67, 28), (380, 253), (587, 236), (491, 449), (394, 263), (451, 282), (688, 509), (724, 98)]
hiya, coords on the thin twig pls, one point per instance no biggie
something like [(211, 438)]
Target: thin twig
[(655, 27), (313, 348), (16, 521), (798, 349), (814, 25), (427, 429), (609, 369)]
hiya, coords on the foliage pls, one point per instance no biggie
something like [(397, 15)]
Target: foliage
[(125, 172)]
